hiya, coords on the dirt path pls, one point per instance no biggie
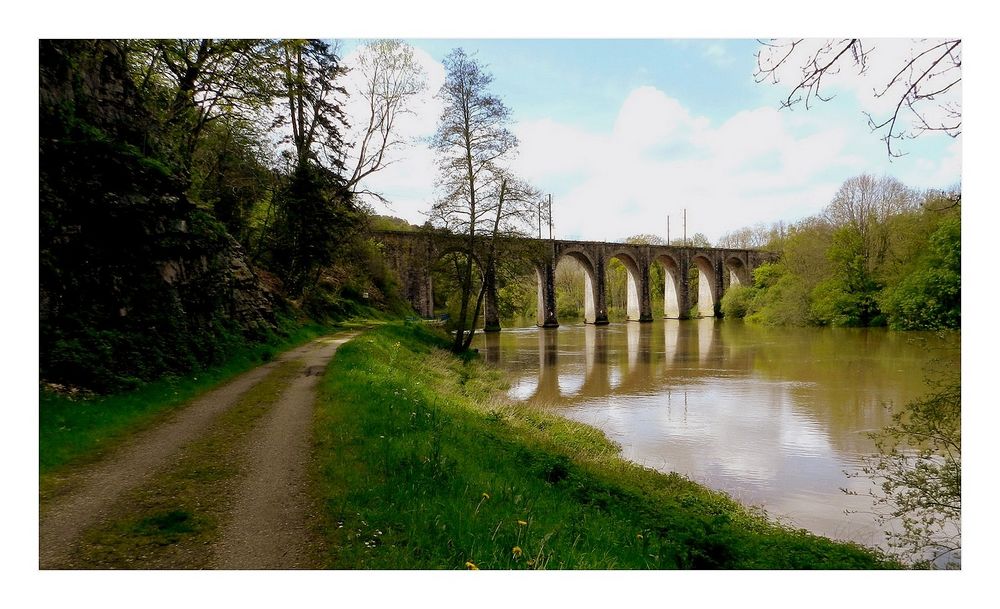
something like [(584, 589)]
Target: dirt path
[(269, 524), (97, 488)]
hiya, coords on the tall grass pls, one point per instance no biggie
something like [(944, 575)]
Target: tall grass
[(420, 466)]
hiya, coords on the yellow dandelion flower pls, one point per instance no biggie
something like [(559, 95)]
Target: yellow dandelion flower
[(531, 562), (486, 495), (517, 551), (638, 535), (471, 566)]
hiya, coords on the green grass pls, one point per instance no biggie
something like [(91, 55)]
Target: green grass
[(171, 519), (74, 432), (419, 466)]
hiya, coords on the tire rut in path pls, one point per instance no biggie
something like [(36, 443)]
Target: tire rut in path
[(64, 519), (269, 526)]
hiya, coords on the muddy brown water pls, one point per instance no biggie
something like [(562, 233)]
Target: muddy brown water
[(772, 416)]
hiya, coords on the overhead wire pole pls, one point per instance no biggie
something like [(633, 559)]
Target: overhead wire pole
[(685, 227), (550, 217), (668, 229)]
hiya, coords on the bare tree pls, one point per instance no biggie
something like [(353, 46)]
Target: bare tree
[(391, 79), (866, 203), (921, 83), (472, 143)]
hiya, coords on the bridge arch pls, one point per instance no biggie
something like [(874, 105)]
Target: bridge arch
[(708, 292), (739, 272), (633, 282), (674, 287), (592, 306)]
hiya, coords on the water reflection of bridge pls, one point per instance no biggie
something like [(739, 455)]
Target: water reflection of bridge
[(651, 352)]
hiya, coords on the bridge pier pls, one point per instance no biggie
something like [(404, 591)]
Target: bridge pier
[(600, 297), (547, 294), (645, 307)]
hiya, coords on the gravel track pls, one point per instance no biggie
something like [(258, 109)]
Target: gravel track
[(277, 454), (269, 527)]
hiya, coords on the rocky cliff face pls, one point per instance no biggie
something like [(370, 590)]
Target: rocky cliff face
[(135, 280)]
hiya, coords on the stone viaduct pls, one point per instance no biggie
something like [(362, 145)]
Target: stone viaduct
[(412, 255)]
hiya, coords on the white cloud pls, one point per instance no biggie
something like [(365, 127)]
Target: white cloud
[(749, 169), (658, 157)]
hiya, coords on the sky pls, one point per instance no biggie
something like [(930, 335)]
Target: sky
[(623, 133)]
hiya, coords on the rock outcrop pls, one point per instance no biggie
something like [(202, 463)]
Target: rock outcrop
[(135, 280)]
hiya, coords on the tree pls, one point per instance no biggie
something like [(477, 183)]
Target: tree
[(190, 83), (929, 294), (391, 79), (310, 71), (477, 195), (918, 468), (925, 87), (315, 211), (865, 204)]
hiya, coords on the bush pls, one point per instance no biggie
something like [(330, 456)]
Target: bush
[(737, 301)]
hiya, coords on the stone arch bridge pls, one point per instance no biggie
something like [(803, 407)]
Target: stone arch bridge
[(412, 255)]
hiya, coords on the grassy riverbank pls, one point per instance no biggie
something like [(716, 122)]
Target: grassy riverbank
[(420, 466), (79, 430)]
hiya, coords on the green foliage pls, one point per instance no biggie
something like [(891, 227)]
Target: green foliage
[(391, 223), (737, 301), (867, 262), (316, 222), (421, 466), (929, 296), (518, 299), (782, 297), (848, 296), (919, 470), (230, 176)]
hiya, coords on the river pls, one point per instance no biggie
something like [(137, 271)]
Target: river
[(772, 416)]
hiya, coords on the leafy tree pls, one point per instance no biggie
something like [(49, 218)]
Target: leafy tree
[(848, 296), (918, 468), (187, 84), (315, 213), (310, 72), (929, 296), (316, 220), (231, 172), (737, 301)]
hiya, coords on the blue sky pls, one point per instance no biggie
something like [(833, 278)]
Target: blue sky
[(624, 132)]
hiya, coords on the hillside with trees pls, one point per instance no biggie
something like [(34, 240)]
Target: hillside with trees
[(198, 196)]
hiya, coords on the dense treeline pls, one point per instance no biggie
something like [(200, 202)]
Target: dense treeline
[(193, 200), (879, 254)]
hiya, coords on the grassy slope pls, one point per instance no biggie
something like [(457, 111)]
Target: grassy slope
[(418, 466)]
